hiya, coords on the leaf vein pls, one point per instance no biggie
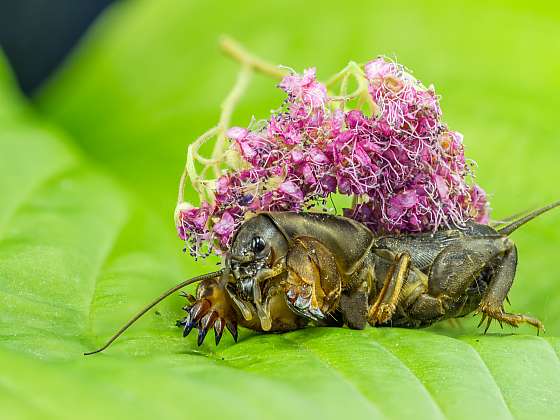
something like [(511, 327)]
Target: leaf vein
[(338, 373), (405, 367), (551, 348), (117, 232), (428, 392), (490, 375), (29, 194)]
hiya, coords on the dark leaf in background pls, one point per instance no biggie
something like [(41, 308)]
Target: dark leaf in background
[(36, 35)]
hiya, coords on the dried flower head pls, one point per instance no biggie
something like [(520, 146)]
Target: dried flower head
[(404, 168)]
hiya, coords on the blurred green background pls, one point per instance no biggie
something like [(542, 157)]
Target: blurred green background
[(88, 175)]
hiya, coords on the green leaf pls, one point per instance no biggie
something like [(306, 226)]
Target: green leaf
[(86, 234), (139, 90)]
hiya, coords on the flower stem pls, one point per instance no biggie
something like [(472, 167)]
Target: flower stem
[(190, 168), (249, 63), (236, 51), (228, 106)]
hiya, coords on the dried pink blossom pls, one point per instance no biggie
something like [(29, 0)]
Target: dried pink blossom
[(225, 227), (407, 169)]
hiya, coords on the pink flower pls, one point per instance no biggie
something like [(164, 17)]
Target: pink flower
[(318, 157), (378, 69), (308, 175), (336, 122), (401, 202), (222, 185), (196, 218), (407, 167), (237, 133), (297, 156), (442, 188), (224, 228), (291, 190), (305, 88), (479, 205)]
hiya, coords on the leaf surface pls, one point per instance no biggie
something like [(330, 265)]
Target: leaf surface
[(86, 236)]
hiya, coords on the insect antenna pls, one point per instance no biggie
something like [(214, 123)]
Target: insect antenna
[(508, 229), (154, 303), (498, 224)]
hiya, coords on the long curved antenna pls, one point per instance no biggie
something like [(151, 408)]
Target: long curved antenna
[(499, 223), (154, 303), (508, 229)]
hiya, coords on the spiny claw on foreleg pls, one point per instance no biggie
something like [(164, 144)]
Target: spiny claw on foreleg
[(188, 327), (206, 323), (301, 298), (199, 309), (201, 336), (187, 322), (219, 329), (232, 328), (204, 316)]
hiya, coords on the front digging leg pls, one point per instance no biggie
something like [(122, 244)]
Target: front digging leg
[(212, 308), (313, 284)]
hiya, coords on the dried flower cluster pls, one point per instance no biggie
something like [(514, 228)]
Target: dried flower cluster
[(405, 169)]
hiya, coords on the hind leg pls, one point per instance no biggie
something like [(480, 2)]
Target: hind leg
[(453, 271), (491, 305)]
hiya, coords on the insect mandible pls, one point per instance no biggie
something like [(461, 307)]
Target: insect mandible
[(285, 270)]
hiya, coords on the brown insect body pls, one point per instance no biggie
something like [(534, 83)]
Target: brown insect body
[(285, 270)]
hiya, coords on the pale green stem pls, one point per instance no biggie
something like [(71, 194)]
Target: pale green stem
[(190, 167), (228, 106), (249, 64), (234, 49)]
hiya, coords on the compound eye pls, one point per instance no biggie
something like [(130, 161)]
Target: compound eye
[(257, 244)]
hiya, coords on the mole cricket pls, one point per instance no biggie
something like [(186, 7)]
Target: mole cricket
[(285, 270)]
